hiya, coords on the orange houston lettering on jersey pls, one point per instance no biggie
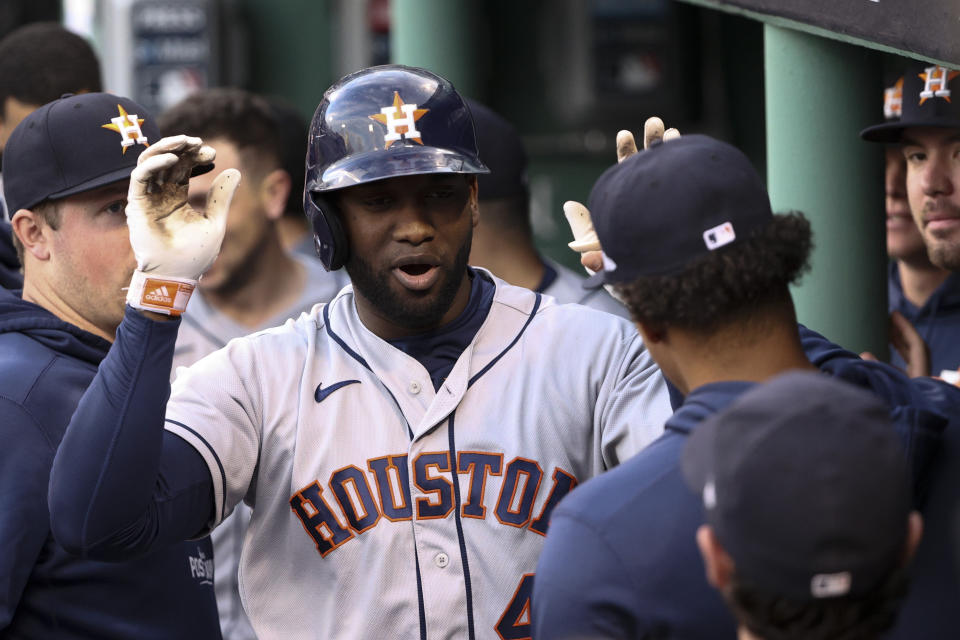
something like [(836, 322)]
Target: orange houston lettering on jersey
[(380, 492)]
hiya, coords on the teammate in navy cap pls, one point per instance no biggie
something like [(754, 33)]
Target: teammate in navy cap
[(924, 298), (66, 171), (928, 133), (403, 446), (808, 522), (690, 243)]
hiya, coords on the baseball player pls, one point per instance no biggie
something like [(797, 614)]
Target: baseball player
[(403, 446), (928, 133), (254, 284), (926, 287), (806, 495), (918, 290), (66, 169), (690, 242)]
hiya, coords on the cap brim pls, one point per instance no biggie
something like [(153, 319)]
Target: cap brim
[(890, 132), (111, 177), (595, 281), (201, 169)]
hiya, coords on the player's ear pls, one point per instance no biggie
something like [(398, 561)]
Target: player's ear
[(716, 561), (274, 191), (651, 333), (33, 233)]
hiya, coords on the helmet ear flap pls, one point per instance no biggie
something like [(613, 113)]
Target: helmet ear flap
[(329, 237)]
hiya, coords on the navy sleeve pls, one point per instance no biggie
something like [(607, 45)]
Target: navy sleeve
[(25, 459), (120, 484), (920, 408), (598, 603)]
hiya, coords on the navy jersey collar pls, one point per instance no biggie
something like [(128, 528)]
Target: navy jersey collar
[(704, 401)]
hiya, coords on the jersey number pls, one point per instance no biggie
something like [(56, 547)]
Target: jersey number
[(514, 624)]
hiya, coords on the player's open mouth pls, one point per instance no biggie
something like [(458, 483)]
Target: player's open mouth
[(418, 276)]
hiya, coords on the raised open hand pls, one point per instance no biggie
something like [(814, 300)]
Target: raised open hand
[(173, 242)]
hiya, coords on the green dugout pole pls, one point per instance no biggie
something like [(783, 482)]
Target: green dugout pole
[(439, 35), (819, 94)]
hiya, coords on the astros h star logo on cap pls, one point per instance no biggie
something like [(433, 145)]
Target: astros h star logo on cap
[(128, 126), (400, 119), (936, 81), (893, 100)]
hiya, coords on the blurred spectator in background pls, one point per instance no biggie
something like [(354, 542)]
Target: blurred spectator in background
[(503, 239), (295, 233), (254, 283), (40, 62)]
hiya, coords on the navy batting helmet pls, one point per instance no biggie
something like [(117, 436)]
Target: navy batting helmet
[(378, 123)]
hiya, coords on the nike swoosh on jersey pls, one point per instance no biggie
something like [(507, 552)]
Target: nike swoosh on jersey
[(322, 393)]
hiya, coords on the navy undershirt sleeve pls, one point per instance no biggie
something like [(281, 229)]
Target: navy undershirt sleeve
[(122, 485)]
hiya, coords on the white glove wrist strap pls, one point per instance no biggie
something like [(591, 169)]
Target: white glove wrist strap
[(160, 294)]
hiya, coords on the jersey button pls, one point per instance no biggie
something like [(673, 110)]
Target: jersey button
[(442, 560), (414, 387)]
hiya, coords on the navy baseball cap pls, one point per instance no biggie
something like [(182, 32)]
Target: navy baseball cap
[(665, 207), (806, 486), (75, 144), (501, 150), (930, 98)]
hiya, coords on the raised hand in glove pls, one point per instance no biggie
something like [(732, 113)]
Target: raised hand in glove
[(172, 242), (585, 239)]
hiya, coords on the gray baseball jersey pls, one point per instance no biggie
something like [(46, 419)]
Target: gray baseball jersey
[(203, 331), (568, 287), (383, 508)]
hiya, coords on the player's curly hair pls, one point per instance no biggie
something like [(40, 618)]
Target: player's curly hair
[(728, 284), (774, 617)]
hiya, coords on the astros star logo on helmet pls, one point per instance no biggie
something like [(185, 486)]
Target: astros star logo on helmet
[(400, 119), (128, 126)]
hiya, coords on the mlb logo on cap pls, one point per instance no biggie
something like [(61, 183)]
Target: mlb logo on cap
[(719, 236)]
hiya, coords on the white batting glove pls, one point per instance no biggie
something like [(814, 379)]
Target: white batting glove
[(173, 243), (585, 241)]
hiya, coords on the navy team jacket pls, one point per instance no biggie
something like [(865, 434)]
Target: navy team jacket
[(937, 321), (45, 366), (630, 532)]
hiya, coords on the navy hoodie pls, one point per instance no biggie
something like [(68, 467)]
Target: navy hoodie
[(630, 533), (10, 276), (937, 321), (45, 366)]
